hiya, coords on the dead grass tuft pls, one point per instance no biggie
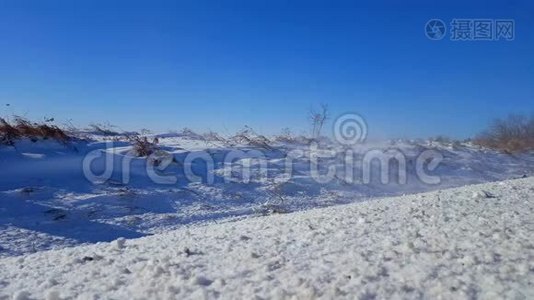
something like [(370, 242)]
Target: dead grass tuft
[(22, 128), (142, 146), (249, 137)]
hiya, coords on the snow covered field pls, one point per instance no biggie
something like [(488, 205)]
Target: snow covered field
[(46, 202), (462, 243)]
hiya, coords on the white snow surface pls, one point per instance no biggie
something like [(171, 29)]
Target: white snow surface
[(470, 242), (47, 203)]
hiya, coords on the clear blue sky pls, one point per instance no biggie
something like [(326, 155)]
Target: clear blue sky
[(209, 65)]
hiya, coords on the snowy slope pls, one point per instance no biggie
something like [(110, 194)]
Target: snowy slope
[(473, 241), (47, 203)]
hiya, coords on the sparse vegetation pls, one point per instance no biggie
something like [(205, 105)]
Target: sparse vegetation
[(286, 136), (317, 119), (103, 129), (22, 128), (213, 136), (442, 139), (249, 137), (189, 133), (511, 135), (142, 146)]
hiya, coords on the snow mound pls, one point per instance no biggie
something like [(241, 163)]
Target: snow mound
[(439, 244), (46, 202)]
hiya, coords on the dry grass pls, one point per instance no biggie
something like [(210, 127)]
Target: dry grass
[(190, 134), (249, 137), (22, 128), (514, 134), (142, 146), (286, 137), (212, 136), (103, 129)]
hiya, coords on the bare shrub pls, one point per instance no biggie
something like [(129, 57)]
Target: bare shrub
[(317, 119), (142, 146), (511, 135)]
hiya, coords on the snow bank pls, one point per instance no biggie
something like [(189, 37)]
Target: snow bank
[(46, 202), (474, 241)]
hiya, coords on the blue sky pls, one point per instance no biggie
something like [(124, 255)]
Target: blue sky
[(213, 65)]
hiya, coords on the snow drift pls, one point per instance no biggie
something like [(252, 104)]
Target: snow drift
[(47, 203), (462, 243)]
